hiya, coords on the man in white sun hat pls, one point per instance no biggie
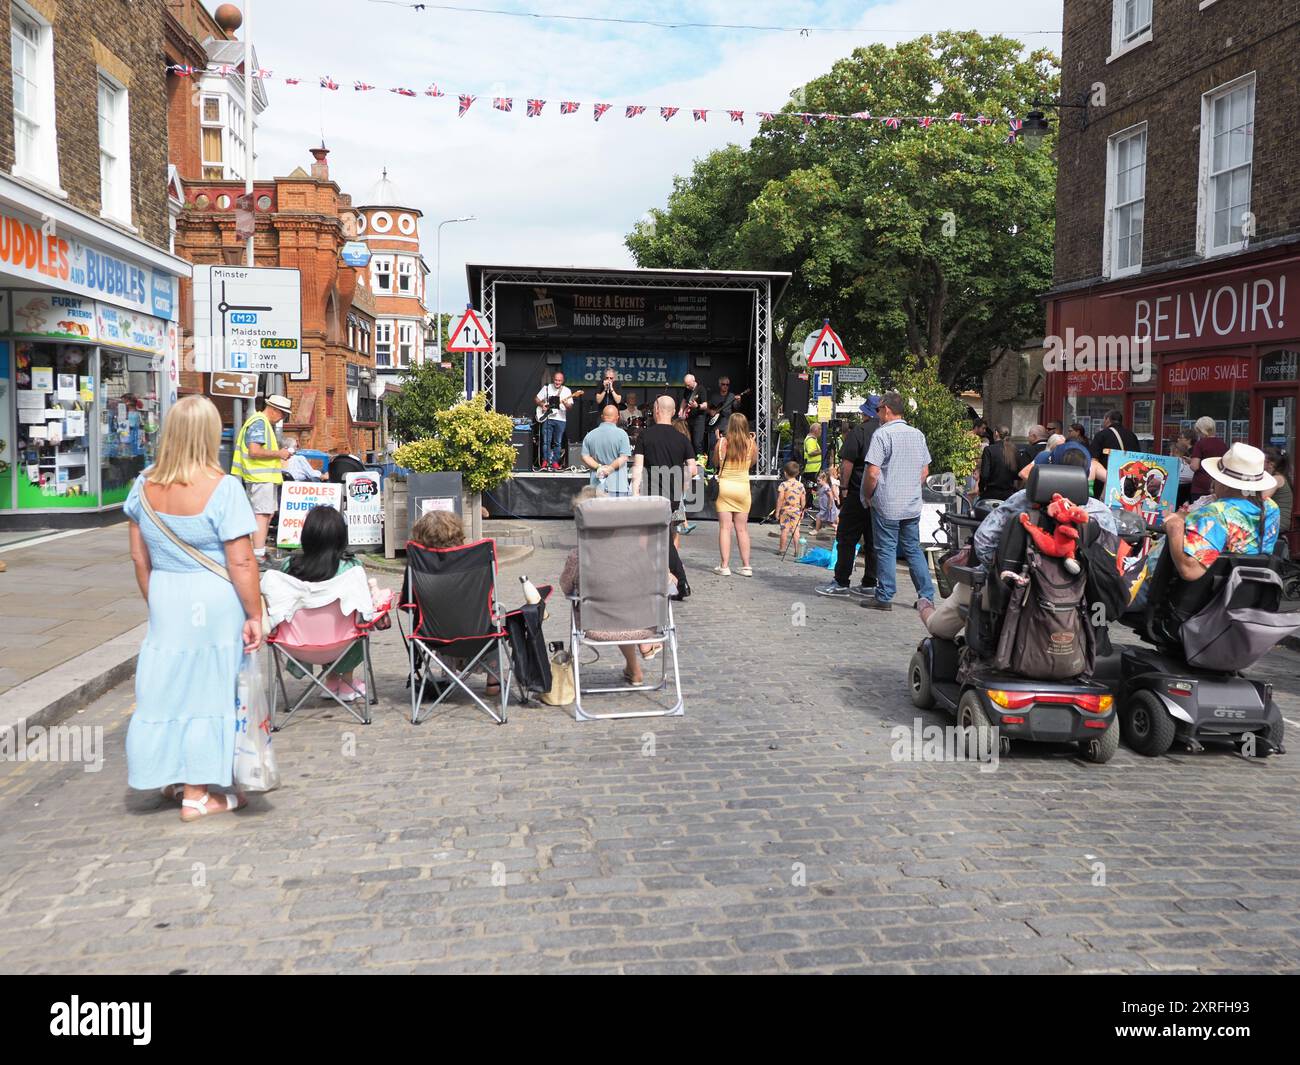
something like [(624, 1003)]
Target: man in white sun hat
[(258, 460), (1236, 520)]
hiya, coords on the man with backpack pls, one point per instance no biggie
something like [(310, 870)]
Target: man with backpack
[(855, 519)]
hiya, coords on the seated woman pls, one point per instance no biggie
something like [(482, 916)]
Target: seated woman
[(569, 586), (441, 529), (1235, 521), (323, 555)]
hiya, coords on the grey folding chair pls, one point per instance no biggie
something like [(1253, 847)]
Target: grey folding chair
[(622, 588)]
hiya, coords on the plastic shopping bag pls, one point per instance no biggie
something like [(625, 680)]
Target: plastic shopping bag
[(255, 768)]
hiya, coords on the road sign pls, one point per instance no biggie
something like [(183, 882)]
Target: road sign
[(470, 334), (827, 349), (233, 384), (852, 375), (247, 318), (355, 253)]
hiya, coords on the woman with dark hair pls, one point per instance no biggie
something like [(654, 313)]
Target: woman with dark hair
[(1276, 463), (998, 466), (323, 554)]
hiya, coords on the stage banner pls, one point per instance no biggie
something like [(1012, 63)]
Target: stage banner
[(618, 313), (634, 368)]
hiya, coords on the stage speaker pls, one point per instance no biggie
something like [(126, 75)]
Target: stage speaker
[(794, 402), (575, 455), (522, 439)]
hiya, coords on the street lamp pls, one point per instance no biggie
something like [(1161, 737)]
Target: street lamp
[(437, 270), (1034, 128)]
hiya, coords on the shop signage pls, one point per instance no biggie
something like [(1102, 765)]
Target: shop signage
[(54, 315), (1279, 366), (365, 508), (1096, 382), (297, 500), (247, 318), (42, 254), (1208, 375), (130, 330), (638, 314), (355, 253)]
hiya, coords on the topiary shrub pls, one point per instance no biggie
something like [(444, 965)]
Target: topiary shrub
[(467, 439)]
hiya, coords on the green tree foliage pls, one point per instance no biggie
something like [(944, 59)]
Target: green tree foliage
[(941, 415), (921, 245), (467, 439), (426, 389)]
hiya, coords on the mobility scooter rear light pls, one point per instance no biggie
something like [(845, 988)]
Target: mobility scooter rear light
[(1096, 704)]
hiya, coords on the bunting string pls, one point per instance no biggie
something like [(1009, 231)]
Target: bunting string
[(534, 106)]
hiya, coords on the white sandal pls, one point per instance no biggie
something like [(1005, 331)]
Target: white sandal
[(233, 802), (173, 792), (746, 571), (722, 571)]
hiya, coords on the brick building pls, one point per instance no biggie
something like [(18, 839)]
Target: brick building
[(301, 221), (88, 293), (1178, 216)]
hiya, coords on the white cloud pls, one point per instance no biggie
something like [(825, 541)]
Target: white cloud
[(557, 189)]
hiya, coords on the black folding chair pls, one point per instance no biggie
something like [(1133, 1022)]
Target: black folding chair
[(449, 597)]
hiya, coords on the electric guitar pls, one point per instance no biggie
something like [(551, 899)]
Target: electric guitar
[(728, 402), (543, 410)]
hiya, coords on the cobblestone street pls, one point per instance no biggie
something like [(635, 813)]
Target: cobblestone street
[(766, 831)]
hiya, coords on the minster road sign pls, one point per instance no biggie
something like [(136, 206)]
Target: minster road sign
[(247, 319)]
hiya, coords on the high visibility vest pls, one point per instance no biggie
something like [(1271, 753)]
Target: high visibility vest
[(251, 470), (812, 455)]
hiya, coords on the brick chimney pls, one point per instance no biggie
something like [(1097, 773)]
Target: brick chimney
[(320, 169)]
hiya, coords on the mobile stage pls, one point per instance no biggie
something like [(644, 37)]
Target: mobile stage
[(652, 326)]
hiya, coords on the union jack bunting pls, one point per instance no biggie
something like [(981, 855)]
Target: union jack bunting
[(502, 103), (293, 81), (535, 108), (633, 110), (737, 116), (465, 101), (403, 92), (984, 120), (829, 116), (893, 121), (805, 117), (667, 112), (925, 121), (763, 116), (361, 86), (1016, 125), (225, 70), (433, 90), (328, 83), (261, 73), (184, 70), (569, 107), (700, 115), (599, 109), (957, 116), (864, 116)]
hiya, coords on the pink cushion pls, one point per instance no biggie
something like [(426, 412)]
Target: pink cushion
[(317, 635)]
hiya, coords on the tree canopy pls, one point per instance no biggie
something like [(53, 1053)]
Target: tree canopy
[(929, 243)]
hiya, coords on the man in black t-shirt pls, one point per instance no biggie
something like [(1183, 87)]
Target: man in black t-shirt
[(1113, 437), (855, 519), (691, 410), (666, 457)]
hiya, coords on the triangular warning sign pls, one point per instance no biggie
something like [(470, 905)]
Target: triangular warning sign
[(828, 350), (469, 334)]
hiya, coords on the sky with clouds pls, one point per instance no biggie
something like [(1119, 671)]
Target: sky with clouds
[(560, 189)]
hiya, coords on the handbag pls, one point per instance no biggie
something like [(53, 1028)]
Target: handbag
[(562, 692)]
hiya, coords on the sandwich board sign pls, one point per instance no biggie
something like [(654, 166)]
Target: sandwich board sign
[(827, 349), (297, 500), (470, 334), (247, 319), (365, 508)]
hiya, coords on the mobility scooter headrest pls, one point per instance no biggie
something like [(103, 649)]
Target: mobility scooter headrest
[(1046, 481)]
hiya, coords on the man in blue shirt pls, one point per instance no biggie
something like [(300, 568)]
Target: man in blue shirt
[(897, 464), (606, 451)]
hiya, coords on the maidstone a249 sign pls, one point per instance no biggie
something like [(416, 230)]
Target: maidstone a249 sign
[(248, 319)]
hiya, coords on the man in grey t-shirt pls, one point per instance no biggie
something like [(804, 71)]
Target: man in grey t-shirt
[(606, 451)]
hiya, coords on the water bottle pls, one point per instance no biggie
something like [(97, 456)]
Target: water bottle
[(531, 595)]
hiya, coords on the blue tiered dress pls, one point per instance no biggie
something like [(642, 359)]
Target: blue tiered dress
[(183, 727)]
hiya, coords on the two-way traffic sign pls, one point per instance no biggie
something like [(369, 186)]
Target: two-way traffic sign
[(470, 334), (827, 349)]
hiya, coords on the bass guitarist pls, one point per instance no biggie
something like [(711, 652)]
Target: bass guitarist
[(553, 403)]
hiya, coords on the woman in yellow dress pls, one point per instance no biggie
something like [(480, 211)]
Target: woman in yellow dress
[(736, 454)]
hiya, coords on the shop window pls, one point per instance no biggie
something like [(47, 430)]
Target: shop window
[(114, 151), (31, 43), (129, 421), (1227, 154), (1126, 201), (1230, 411), (54, 392)]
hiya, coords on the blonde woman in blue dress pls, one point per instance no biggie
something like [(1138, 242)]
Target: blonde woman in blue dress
[(736, 455), (182, 733)]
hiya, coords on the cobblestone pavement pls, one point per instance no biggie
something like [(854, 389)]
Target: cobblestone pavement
[(766, 831)]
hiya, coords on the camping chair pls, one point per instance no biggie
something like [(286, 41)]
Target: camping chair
[(450, 598), (623, 587), (321, 636)]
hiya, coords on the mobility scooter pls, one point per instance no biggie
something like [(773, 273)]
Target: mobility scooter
[(976, 676), (1188, 685)]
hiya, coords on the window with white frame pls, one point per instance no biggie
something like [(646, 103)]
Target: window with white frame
[(383, 273), (213, 138), (1126, 201), (1227, 154), (384, 344), (31, 43), (1131, 25), (405, 275), (114, 151), (405, 344)]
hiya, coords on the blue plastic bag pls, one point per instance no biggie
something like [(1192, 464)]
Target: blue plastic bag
[(816, 556)]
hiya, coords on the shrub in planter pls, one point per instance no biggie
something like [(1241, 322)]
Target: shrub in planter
[(468, 439)]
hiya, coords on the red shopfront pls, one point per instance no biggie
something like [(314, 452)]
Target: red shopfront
[(1225, 343)]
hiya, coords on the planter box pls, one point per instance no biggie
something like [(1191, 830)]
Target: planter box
[(399, 517)]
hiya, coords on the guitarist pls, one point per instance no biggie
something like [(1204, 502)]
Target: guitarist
[(722, 404), (553, 403), (691, 408)]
